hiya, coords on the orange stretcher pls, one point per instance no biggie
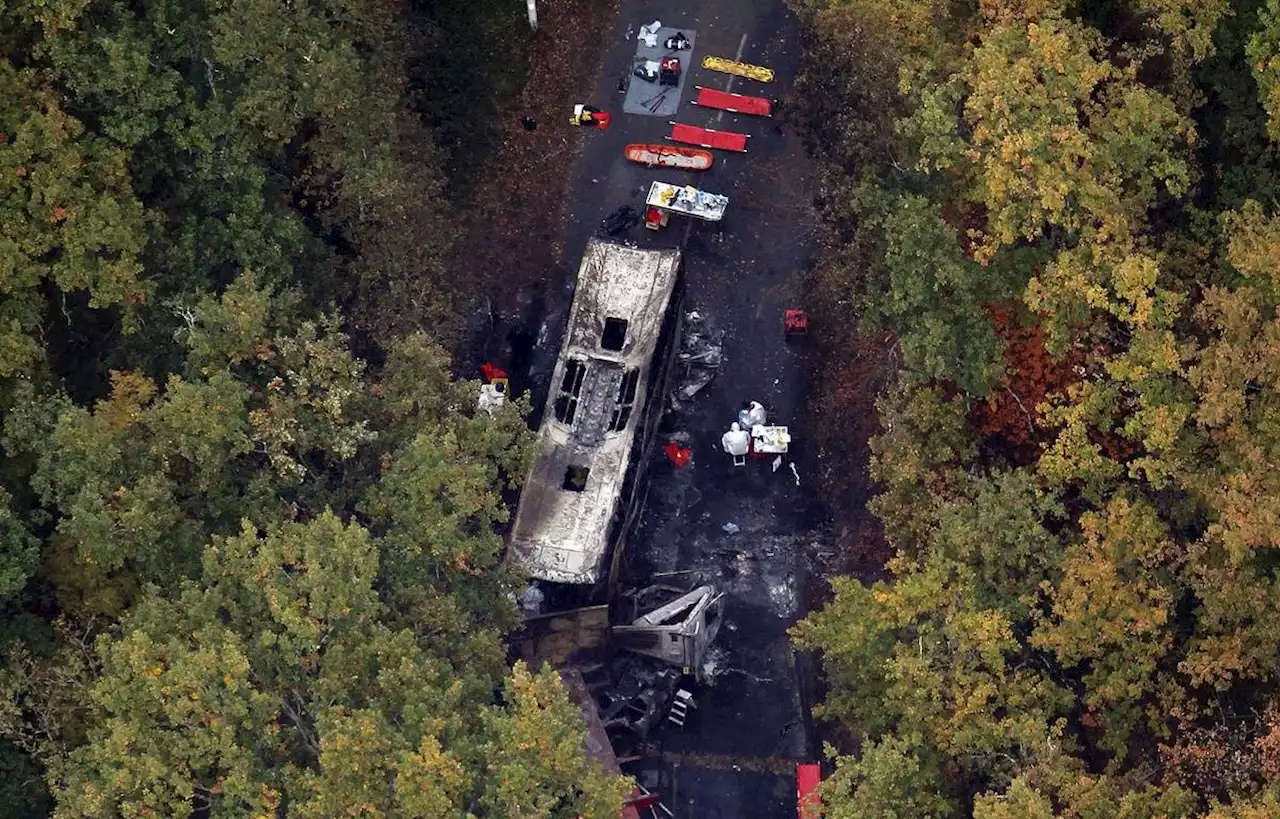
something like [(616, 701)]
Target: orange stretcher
[(733, 103), (708, 138)]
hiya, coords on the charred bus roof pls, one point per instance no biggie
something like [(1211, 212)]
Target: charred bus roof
[(598, 392)]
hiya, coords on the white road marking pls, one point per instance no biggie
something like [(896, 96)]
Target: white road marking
[(737, 58)]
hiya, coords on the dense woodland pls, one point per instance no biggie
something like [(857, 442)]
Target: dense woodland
[(1064, 216), (247, 555)]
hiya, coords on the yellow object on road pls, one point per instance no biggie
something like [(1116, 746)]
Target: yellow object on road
[(751, 72)]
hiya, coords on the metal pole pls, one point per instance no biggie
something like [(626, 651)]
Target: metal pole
[(533, 14)]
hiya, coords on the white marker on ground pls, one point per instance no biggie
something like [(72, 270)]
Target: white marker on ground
[(737, 58)]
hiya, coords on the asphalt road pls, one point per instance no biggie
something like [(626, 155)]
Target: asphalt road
[(735, 757)]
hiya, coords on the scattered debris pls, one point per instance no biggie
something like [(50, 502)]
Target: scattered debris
[(777, 462), (713, 665), (695, 386), (621, 219), (679, 632), (531, 600), (700, 353), (731, 528), (782, 593), (795, 472), (631, 704)]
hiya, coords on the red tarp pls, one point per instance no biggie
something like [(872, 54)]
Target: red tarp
[(807, 779), (708, 138), (492, 373), (677, 454), (735, 103)]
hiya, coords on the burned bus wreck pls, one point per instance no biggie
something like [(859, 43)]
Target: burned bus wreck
[(581, 498), (602, 414)]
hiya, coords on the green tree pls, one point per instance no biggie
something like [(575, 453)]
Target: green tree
[(19, 551), (1263, 52), (935, 299), (888, 781), (535, 764), (71, 220)]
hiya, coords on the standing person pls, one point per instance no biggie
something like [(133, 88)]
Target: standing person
[(752, 414), (736, 442)]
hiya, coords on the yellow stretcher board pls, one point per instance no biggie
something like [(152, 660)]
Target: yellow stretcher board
[(751, 72)]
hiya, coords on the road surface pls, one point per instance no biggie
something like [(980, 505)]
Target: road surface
[(735, 757)]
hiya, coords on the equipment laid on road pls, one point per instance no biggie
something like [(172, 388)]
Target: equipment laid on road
[(795, 322), (677, 42), (652, 104), (669, 71), (668, 156), (656, 218), (586, 115), (808, 777), (709, 137), (751, 72), (649, 34), (769, 440), (733, 103), (646, 70), (688, 200)]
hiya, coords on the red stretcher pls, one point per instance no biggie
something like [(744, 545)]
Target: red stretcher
[(733, 103), (708, 138), (808, 777)]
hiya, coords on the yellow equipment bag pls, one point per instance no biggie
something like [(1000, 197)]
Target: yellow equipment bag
[(751, 72)]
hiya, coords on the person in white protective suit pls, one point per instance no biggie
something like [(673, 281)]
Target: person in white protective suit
[(751, 415), (736, 441)]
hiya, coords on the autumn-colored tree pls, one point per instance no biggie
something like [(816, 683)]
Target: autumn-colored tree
[(1079, 620)]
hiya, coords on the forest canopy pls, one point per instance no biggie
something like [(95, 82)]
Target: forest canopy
[(1065, 215), (249, 550)]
